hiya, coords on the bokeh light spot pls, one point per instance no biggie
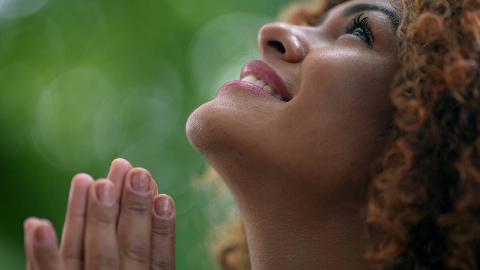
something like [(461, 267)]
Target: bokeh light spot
[(13, 9), (137, 122), (233, 38), (64, 117)]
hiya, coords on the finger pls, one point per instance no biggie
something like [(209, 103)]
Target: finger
[(163, 233), (134, 225), (100, 239), (44, 247), (28, 242), (117, 174), (71, 248)]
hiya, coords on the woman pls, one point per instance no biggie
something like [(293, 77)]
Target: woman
[(297, 141)]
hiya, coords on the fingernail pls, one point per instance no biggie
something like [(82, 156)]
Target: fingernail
[(140, 181), (163, 206), (44, 235), (104, 192), (28, 224)]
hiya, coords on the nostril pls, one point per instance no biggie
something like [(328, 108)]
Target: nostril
[(277, 46)]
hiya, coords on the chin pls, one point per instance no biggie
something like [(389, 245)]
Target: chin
[(233, 120), (227, 132), (199, 127), (211, 128)]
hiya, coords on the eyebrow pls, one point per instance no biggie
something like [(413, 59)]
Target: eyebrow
[(392, 15)]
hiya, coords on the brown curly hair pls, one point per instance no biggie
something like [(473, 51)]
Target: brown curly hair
[(423, 210)]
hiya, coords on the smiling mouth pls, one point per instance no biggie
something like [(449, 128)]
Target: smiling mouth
[(264, 77), (259, 78), (264, 86)]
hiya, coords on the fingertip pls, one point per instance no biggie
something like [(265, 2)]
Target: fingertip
[(44, 233), (119, 168), (121, 163), (164, 206), (103, 181), (28, 225), (47, 222), (100, 183), (139, 180), (82, 179), (104, 192), (139, 170), (168, 197), (79, 186), (163, 232), (44, 249), (29, 222), (120, 160), (154, 188)]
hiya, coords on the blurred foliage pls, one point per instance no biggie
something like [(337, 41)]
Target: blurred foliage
[(83, 82)]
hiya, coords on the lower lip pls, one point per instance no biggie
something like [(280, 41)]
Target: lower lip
[(247, 86)]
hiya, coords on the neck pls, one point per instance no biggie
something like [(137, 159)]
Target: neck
[(289, 227), (292, 239)]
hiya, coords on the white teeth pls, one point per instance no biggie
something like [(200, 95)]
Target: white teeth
[(250, 78), (269, 89), (260, 83)]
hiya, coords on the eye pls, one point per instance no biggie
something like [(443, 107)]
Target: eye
[(359, 27)]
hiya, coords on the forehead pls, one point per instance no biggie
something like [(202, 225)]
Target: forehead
[(347, 8), (392, 4)]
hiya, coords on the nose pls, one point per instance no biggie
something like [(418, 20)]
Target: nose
[(283, 40)]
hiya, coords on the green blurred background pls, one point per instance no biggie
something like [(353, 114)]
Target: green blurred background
[(85, 81)]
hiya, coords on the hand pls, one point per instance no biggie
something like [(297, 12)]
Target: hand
[(115, 223)]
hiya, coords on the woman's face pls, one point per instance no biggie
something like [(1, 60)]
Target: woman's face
[(337, 75)]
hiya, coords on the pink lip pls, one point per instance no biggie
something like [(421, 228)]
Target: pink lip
[(263, 71), (247, 85)]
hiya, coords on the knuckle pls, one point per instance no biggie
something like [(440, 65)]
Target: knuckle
[(71, 256), (137, 253), (163, 230), (103, 261), (104, 217), (162, 265), (77, 216), (138, 207), (72, 261), (44, 254)]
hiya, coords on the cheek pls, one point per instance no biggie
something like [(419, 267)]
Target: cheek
[(346, 85), (349, 79), (340, 112)]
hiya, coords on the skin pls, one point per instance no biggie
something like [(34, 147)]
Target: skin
[(298, 170), (131, 229)]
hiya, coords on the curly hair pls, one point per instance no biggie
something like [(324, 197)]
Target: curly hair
[(424, 204), (423, 210)]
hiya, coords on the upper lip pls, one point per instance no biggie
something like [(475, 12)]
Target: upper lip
[(264, 72)]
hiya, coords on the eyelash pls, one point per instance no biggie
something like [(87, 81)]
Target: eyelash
[(361, 23)]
